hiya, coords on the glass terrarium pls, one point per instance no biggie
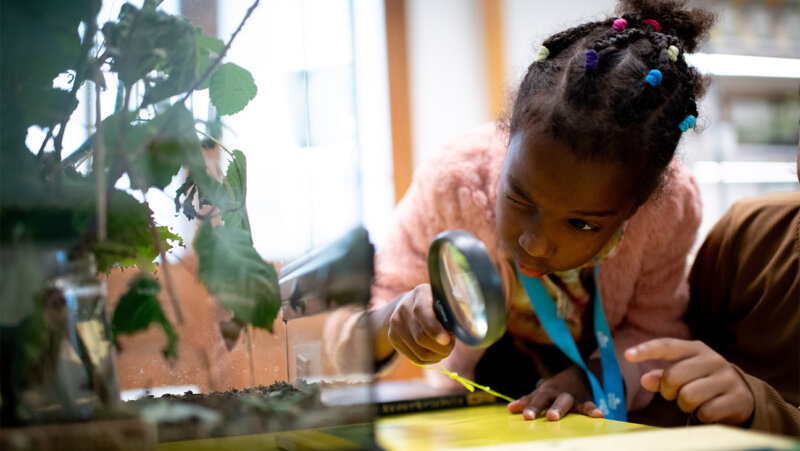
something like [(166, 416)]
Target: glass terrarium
[(285, 386)]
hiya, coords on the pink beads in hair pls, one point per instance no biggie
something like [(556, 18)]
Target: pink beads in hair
[(620, 24), (655, 24)]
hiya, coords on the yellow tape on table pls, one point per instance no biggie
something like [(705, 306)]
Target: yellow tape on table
[(470, 385)]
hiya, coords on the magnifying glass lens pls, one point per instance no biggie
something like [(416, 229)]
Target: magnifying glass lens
[(463, 291)]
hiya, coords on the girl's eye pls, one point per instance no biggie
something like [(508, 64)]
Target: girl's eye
[(583, 226), (514, 201)]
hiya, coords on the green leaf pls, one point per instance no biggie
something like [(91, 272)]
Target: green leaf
[(138, 308), (203, 63), (208, 49), (49, 107), (155, 153), (235, 212), (231, 89), (235, 274), (21, 181), (129, 241), (22, 282), (148, 40), (42, 210), (207, 44), (122, 122), (164, 153), (209, 190), (39, 41)]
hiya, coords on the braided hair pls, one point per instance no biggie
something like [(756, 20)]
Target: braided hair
[(619, 89)]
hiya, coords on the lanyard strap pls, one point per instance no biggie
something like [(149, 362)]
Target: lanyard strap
[(611, 400)]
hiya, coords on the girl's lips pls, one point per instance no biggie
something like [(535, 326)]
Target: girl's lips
[(527, 272)]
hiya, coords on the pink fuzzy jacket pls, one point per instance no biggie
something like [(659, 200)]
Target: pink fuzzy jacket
[(643, 287)]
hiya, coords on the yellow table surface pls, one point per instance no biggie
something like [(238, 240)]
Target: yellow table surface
[(484, 426), (492, 427)]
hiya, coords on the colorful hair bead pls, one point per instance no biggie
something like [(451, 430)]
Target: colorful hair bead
[(591, 59), (654, 24), (672, 53), (687, 123), (542, 54), (653, 77), (620, 24)]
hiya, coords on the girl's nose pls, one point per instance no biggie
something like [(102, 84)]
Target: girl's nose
[(536, 244)]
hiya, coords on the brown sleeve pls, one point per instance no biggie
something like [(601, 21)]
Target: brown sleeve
[(772, 413), (709, 281)]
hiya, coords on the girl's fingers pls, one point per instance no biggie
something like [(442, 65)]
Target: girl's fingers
[(728, 409), (651, 381), (518, 405), (697, 392), (663, 348), (681, 374), (422, 311), (538, 402), (560, 406), (589, 409), (425, 338), (417, 354)]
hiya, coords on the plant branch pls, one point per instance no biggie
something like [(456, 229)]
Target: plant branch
[(213, 66), (222, 54), (170, 285), (80, 154), (44, 143), (216, 141), (80, 77), (250, 355)]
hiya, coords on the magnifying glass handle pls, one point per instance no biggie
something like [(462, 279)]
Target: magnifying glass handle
[(442, 315)]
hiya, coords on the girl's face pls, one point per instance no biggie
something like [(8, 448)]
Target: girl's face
[(554, 211)]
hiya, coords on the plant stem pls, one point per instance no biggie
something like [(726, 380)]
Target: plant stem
[(221, 55), (100, 168), (250, 355), (44, 143), (216, 141), (176, 306)]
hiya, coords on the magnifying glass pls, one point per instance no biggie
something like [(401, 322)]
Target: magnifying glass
[(467, 290)]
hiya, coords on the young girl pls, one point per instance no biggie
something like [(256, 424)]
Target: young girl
[(577, 196)]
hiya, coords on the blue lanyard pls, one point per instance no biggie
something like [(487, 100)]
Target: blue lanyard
[(611, 400)]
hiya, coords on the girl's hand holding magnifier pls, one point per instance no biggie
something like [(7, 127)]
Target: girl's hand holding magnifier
[(415, 331)]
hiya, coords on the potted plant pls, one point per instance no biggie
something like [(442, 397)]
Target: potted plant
[(63, 220)]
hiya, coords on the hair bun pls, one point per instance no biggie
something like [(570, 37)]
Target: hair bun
[(690, 25)]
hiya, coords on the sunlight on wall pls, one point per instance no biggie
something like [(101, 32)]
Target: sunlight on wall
[(304, 133)]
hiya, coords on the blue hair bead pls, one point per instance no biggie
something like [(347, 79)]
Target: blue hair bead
[(687, 123), (591, 59), (654, 77)]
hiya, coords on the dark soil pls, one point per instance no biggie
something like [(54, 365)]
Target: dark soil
[(256, 410)]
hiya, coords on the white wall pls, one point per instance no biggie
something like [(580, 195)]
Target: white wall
[(527, 23), (447, 80), (446, 57)]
